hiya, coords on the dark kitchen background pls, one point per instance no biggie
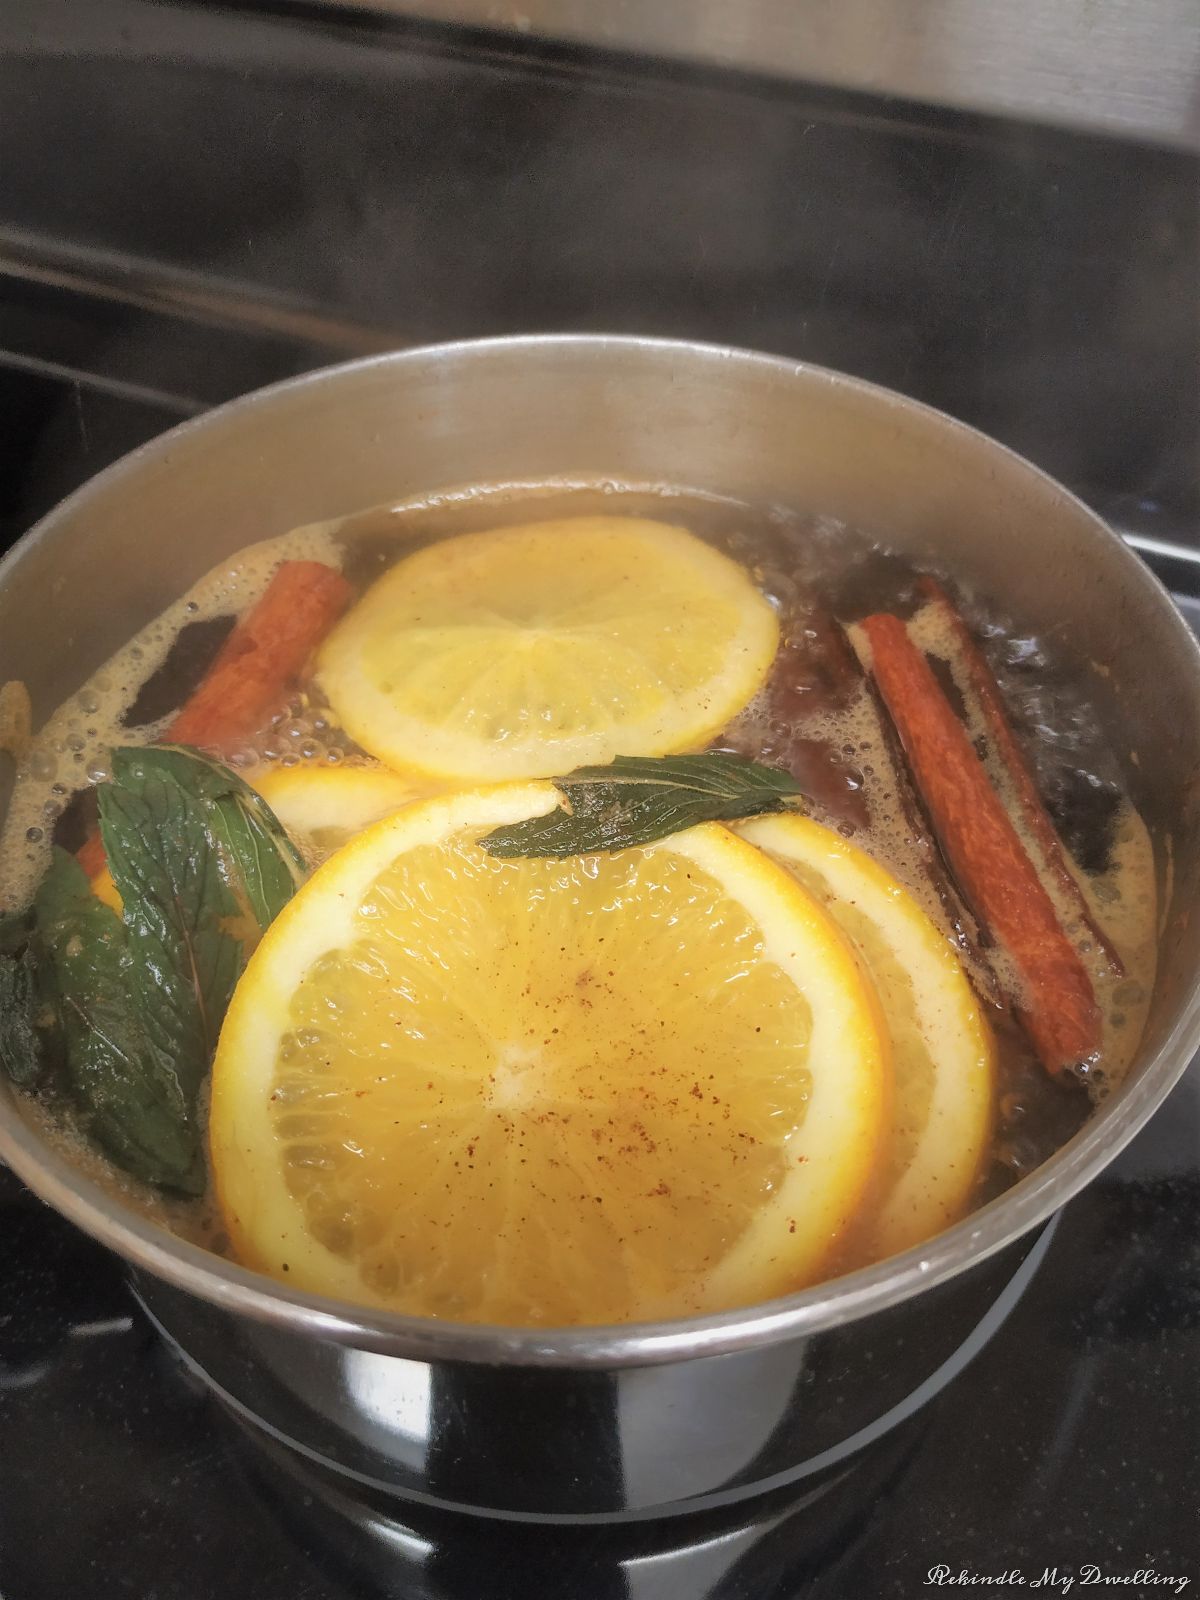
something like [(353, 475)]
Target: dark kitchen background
[(199, 199)]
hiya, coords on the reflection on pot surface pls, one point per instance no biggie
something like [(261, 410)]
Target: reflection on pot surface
[(602, 1446)]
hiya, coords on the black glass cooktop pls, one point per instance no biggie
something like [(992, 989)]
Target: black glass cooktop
[(196, 199)]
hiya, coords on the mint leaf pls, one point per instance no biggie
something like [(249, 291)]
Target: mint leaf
[(21, 1046), (127, 1009), (133, 1004), (133, 1103), (30, 1031), (202, 866), (259, 860), (183, 964), (638, 799), (15, 930), (264, 865)]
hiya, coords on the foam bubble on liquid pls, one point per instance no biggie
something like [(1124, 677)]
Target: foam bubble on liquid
[(1124, 901), (73, 749)]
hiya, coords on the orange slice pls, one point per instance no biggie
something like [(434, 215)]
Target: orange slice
[(943, 1051), (527, 651), (535, 1092)]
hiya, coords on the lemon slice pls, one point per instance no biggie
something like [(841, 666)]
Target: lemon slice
[(546, 1092), (527, 651), (943, 1050), (323, 807)]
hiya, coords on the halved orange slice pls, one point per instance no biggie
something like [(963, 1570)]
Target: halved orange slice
[(942, 1048)]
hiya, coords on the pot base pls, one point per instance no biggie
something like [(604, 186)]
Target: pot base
[(553, 1446), (741, 1549)]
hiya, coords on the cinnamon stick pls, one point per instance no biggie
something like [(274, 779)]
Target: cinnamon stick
[(261, 657), (958, 921), (816, 672), (90, 855), (1008, 752), (251, 672), (984, 851)]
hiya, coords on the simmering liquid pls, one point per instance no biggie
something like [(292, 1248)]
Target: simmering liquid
[(816, 715)]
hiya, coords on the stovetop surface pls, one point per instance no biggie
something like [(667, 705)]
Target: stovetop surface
[(389, 188)]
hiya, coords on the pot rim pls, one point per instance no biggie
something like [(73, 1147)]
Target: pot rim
[(233, 1288)]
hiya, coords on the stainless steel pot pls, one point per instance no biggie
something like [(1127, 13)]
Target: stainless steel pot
[(643, 1419)]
